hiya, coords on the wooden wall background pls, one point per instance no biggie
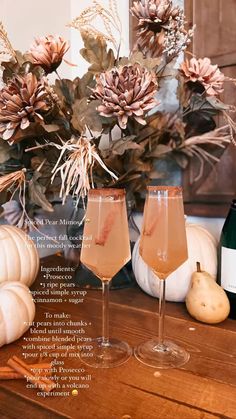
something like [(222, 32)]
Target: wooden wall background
[(215, 37)]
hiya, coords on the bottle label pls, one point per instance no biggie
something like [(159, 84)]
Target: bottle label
[(228, 269)]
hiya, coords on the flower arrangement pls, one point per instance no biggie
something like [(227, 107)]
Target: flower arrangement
[(104, 129)]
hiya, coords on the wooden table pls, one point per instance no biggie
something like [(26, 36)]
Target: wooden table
[(205, 388)]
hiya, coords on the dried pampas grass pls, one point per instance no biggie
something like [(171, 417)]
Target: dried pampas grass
[(220, 137), (75, 166)]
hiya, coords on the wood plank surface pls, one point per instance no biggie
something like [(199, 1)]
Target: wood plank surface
[(214, 37), (205, 388)]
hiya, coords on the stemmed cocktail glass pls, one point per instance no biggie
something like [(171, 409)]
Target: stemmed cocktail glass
[(105, 250), (163, 247)]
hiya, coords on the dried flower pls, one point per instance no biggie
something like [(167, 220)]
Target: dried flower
[(202, 71), (22, 101), (231, 124), (109, 18), (75, 166), (6, 50), (169, 128), (220, 137), (48, 52), (126, 92), (160, 27), (14, 179), (48, 132)]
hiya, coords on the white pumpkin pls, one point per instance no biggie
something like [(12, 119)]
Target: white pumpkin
[(202, 247), (19, 260), (17, 311)]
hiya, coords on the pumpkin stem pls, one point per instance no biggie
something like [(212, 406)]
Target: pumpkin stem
[(198, 267)]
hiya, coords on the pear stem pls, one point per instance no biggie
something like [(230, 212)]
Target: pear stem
[(198, 267)]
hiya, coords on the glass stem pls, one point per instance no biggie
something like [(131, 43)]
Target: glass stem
[(105, 312), (162, 289)]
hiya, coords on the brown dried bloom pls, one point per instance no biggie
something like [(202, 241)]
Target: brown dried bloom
[(22, 101), (160, 27), (202, 71), (48, 52), (126, 92)]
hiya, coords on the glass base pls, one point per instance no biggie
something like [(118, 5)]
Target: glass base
[(109, 355), (168, 355)]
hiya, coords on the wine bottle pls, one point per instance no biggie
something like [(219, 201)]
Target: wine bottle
[(227, 269)]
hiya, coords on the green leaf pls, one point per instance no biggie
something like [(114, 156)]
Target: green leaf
[(96, 53)]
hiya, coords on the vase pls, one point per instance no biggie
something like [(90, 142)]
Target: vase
[(171, 173)]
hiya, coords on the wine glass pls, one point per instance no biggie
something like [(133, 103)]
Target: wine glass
[(105, 250), (163, 247)]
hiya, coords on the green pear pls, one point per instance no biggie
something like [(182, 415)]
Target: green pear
[(206, 301)]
